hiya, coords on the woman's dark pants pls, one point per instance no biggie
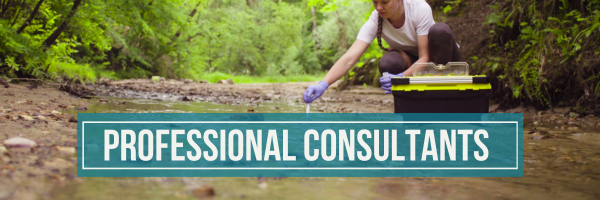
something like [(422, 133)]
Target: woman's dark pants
[(442, 49)]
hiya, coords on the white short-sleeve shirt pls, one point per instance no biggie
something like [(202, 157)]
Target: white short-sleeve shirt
[(418, 20)]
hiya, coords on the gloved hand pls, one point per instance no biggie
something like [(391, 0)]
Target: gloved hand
[(315, 91), (386, 82)]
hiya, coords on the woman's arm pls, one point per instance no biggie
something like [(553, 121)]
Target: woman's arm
[(423, 45), (345, 63)]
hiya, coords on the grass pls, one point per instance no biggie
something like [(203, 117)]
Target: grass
[(217, 76)]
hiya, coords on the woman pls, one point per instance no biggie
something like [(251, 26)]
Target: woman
[(408, 27)]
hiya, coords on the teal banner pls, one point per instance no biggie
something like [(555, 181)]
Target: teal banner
[(300, 145)]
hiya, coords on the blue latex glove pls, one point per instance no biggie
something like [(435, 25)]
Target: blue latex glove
[(386, 82), (315, 91)]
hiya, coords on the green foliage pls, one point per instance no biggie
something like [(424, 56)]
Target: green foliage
[(175, 39), (217, 76), (545, 50)]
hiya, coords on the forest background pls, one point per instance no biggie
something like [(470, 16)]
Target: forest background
[(538, 52)]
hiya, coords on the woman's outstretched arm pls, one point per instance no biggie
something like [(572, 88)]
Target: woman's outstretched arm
[(345, 63)]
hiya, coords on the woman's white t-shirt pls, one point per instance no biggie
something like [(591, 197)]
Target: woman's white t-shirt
[(417, 22)]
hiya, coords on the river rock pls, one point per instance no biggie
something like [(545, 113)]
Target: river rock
[(539, 137), (573, 115), (187, 81), (54, 112), (204, 192), (66, 150), (19, 142), (4, 155), (26, 117), (57, 164), (228, 81), (263, 185)]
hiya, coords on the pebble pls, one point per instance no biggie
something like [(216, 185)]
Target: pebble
[(19, 142), (263, 185), (3, 150), (66, 150), (4, 155), (103, 100), (54, 112), (57, 164), (73, 119), (41, 117), (204, 192), (26, 117), (538, 137)]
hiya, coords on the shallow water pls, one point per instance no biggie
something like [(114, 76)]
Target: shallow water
[(566, 165), (120, 105)]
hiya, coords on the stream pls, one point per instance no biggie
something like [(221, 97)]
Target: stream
[(559, 163)]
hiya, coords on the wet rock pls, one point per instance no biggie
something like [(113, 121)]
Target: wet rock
[(66, 150), (204, 192), (185, 98), (103, 100), (81, 108), (17, 142), (26, 117), (539, 137)]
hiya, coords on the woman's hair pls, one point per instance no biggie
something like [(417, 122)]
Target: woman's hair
[(379, 30)]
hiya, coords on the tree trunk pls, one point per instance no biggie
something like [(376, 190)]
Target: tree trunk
[(5, 7), (52, 38), (35, 10), (18, 13), (314, 30)]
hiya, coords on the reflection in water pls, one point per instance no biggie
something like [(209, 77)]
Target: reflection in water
[(562, 165)]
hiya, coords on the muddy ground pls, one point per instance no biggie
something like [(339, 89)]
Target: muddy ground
[(556, 166)]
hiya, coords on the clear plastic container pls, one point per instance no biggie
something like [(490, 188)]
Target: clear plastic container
[(450, 69)]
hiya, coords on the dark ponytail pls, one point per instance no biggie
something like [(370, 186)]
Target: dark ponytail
[(379, 30)]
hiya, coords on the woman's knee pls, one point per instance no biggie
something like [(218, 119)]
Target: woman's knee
[(439, 29), (392, 62)]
